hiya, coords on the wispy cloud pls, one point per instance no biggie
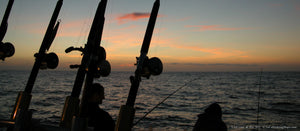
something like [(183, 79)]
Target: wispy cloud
[(214, 28), (208, 66), (184, 19), (214, 52), (135, 16), (76, 23), (216, 64), (122, 40), (75, 28), (276, 5), (297, 7)]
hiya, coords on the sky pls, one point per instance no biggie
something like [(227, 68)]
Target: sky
[(189, 35)]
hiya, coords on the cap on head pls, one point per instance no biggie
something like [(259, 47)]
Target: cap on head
[(95, 91), (214, 110)]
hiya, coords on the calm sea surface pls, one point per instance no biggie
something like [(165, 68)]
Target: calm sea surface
[(236, 92)]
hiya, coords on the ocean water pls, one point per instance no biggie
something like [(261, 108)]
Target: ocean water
[(236, 92)]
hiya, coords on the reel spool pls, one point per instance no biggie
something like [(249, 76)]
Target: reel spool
[(6, 50), (50, 61), (155, 66), (103, 66), (152, 66), (101, 53), (103, 69)]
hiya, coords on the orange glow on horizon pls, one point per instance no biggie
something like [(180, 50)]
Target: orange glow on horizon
[(126, 65)]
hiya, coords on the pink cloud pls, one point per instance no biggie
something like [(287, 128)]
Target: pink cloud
[(70, 34), (74, 28), (133, 17), (297, 7), (276, 5), (214, 28), (212, 52), (217, 52), (66, 29), (184, 18), (76, 23)]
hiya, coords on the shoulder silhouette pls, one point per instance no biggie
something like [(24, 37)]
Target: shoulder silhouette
[(211, 119), (99, 119)]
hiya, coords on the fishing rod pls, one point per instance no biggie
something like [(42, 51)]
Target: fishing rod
[(43, 60), (7, 49), (93, 65), (145, 68), (163, 101)]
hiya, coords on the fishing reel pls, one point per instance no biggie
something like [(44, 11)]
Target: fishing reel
[(49, 61), (6, 50), (103, 67), (152, 66)]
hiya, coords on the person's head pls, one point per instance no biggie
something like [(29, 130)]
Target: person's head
[(214, 110), (96, 93)]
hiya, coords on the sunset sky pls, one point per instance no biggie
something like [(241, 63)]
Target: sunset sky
[(190, 35)]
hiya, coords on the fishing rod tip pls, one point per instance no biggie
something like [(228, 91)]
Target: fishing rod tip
[(157, 2)]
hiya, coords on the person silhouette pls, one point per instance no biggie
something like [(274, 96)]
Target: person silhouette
[(98, 118), (211, 119)]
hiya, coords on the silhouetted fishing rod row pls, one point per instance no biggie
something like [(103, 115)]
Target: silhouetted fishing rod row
[(43, 60), (145, 68), (6, 49), (93, 65)]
